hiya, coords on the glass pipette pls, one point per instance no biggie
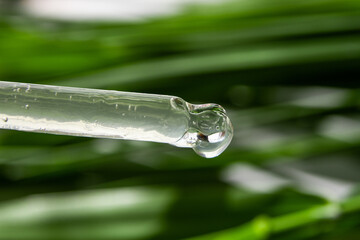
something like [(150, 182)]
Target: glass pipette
[(114, 114)]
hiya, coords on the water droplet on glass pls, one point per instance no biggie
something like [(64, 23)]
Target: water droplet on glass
[(27, 106), (5, 119)]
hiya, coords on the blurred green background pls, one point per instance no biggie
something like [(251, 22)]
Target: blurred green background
[(286, 71)]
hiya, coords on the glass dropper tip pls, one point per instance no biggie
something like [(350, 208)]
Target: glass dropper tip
[(114, 114)]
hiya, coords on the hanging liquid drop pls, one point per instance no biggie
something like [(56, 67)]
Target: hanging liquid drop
[(209, 132)]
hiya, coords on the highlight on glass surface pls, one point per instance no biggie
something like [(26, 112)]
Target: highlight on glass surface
[(113, 114)]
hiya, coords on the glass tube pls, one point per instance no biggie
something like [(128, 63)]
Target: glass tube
[(114, 114)]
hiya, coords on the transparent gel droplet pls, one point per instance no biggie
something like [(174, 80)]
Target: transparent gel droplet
[(209, 132), (113, 114)]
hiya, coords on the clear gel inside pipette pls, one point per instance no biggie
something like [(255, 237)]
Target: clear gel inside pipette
[(113, 114)]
